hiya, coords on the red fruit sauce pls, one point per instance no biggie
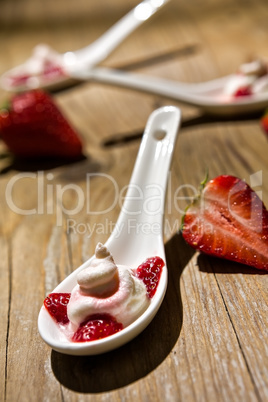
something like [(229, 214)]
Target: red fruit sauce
[(100, 326)]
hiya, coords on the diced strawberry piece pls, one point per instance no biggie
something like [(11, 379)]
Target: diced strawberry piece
[(229, 220), (56, 305), (149, 272), (96, 327), (243, 91), (34, 127), (51, 71), (18, 80)]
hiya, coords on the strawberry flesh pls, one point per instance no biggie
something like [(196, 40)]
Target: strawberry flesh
[(149, 272), (56, 305), (34, 127), (230, 221), (243, 91), (96, 327), (51, 71)]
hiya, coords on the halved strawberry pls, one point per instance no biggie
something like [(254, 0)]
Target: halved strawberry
[(229, 220), (33, 126)]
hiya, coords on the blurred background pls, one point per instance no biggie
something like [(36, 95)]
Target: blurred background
[(214, 25)]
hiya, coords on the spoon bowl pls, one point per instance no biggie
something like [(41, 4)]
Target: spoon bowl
[(140, 235)]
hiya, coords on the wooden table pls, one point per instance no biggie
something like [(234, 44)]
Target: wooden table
[(210, 336)]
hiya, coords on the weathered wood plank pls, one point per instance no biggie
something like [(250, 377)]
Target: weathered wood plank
[(209, 339), (26, 353)]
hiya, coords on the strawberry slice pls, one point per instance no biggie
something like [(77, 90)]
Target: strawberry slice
[(56, 305), (228, 220), (243, 91), (150, 272), (97, 326), (33, 127)]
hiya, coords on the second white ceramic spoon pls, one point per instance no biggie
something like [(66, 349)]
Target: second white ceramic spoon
[(208, 96), (33, 73), (140, 235)]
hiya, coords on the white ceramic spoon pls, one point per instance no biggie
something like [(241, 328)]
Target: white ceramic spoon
[(32, 71), (140, 223), (208, 96)]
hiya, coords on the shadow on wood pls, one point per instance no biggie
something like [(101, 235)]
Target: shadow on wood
[(36, 164), (201, 119), (213, 265)]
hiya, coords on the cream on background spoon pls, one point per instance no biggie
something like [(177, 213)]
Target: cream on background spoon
[(140, 235)]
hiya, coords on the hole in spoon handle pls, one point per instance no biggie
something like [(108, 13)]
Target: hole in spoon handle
[(153, 161), (159, 134), (157, 147)]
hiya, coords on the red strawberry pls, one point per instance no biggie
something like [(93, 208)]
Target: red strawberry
[(229, 220), (97, 326), (56, 305), (264, 122), (50, 71), (149, 272), (243, 91), (33, 126)]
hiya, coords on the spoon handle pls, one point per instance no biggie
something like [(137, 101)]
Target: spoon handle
[(105, 44), (197, 94), (150, 83), (140, 223)]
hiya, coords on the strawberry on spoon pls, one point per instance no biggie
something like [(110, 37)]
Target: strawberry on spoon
[(32, 126), (228, 220)]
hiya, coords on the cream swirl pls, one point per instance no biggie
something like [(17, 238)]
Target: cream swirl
[(105, 288)]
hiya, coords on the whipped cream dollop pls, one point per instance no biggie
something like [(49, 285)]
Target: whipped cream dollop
[(105, 288), (252, 76)]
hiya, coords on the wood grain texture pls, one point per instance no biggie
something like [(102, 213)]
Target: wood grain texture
[(209, 340)]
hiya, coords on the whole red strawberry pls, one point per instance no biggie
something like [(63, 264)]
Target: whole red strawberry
[(229, 220), (32, 126)]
